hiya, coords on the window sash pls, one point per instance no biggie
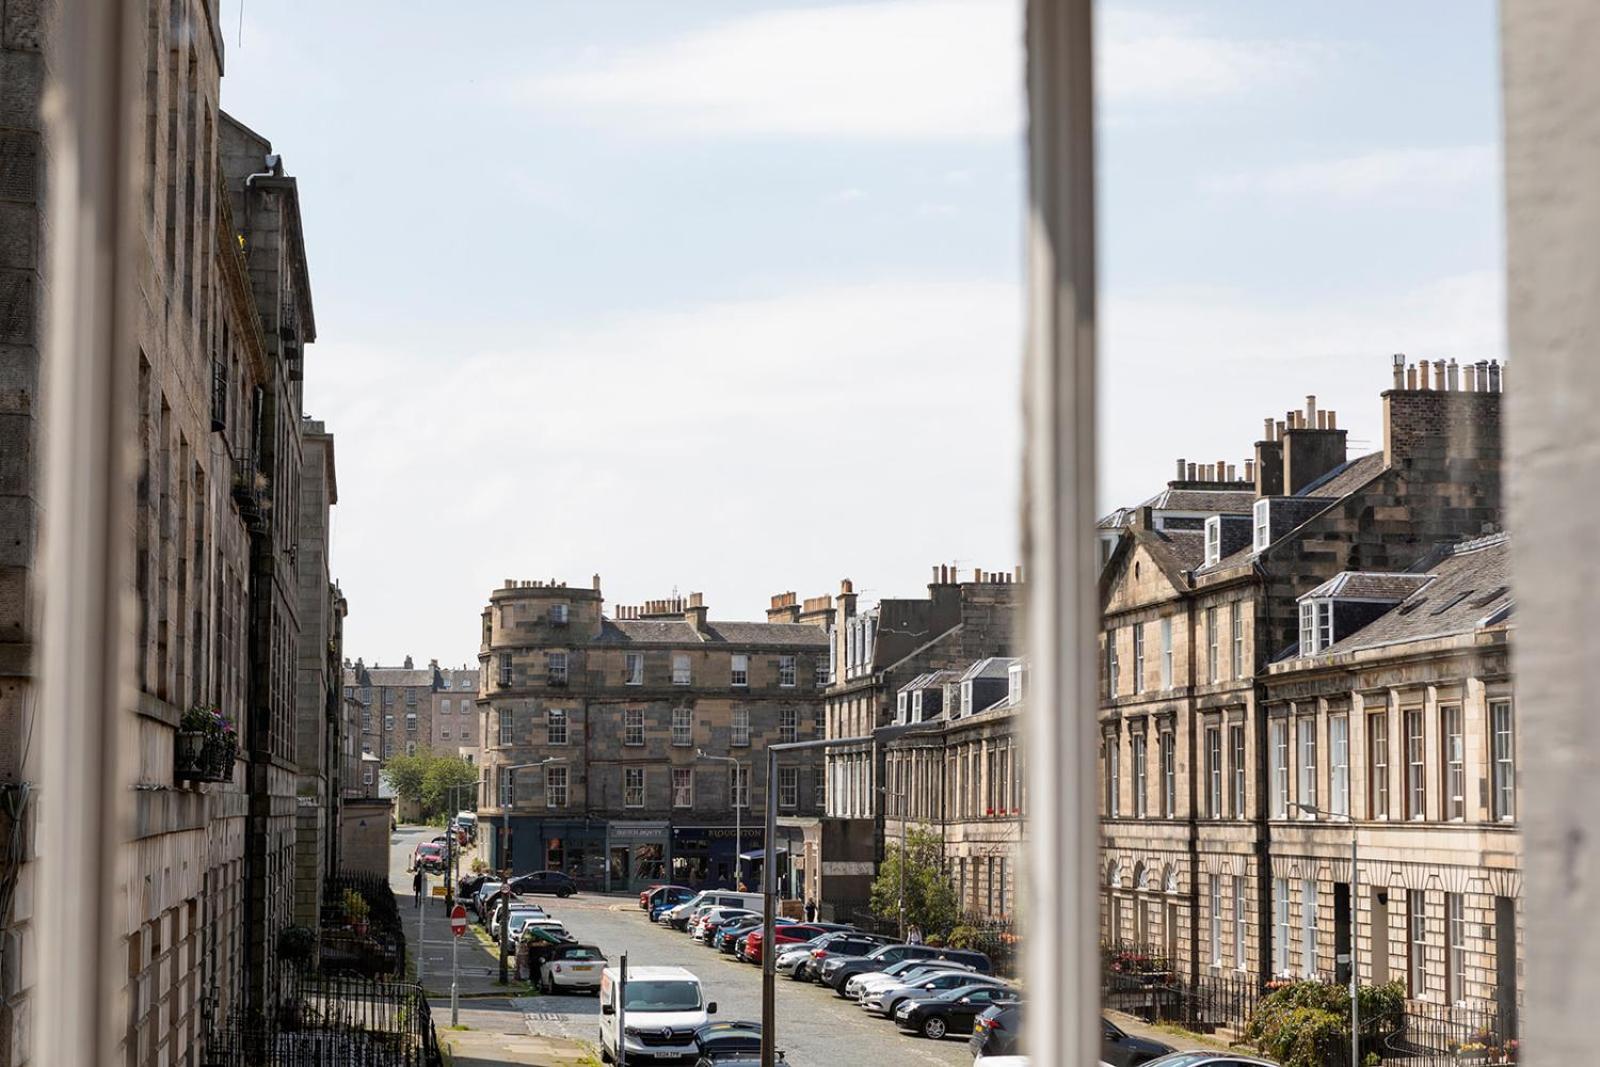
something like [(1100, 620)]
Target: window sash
[(1213, 670), (1216, 920), (1455, 973), (786, 672), (1503, 770), (739, 671), (508, 786), (681, 674), (633, 726), (1113, 668), (507, 734), (682, 787), (1169, 781), (739, 786), (788, 724), (633, 668), (556, 726), (1280, 945), (557, 666), (633, 787), (1455, 762), (682, 727), (788, 787), (1308, 628), (1307, 728), (1308, 927), (1138, 658), (740, 728), (1416, 943), (1416, 768), (1378, 765), (1238, 640), (1339, 764), (1113, 761), (1239, 911), (555, 787), (1140, 774), (1214, 772), (1280, 769), (1166, 653)]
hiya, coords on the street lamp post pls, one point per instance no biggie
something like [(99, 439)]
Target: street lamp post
[(1355, 911), (738, 823), (769, 894), (505, 926)]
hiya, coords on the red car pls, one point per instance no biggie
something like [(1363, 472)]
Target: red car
[(784, 935), (650, 890)]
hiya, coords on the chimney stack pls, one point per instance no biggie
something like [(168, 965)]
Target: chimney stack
[(695, 612)]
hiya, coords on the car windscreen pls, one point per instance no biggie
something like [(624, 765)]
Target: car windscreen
[(665, 995)]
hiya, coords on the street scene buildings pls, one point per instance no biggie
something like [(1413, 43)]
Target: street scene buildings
[(628, 747)]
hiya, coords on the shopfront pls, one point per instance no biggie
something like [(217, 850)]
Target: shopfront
[(703, 857), (575, 847), (636, 854)]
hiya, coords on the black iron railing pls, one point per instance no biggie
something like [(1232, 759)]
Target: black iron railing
[(330, 1021)]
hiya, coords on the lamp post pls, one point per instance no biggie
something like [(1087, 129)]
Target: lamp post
[(1355, 911), (738, 823), (769, 893), (505, 927)]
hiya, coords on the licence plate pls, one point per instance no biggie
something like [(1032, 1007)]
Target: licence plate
[(585, 968)]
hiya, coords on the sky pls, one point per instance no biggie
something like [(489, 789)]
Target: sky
[(727, 298)]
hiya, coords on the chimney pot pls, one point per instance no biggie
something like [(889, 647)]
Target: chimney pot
[(1494, 376), (1422, 374), (1281, 429), (1333, 419), (977, 574), (1322, 420), (1311, 409), (1399, 370), (1231, 471), (1452, 377), (1017, 572), (1411, 377), (1266, 429), (1438, 374), (1181, 469), (1249, 470), (1192, 472)]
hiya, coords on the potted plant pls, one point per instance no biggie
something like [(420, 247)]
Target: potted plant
[(357, 911), (206, 745)]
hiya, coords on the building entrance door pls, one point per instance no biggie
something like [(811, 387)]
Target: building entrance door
[(1380, 936), (1341, 933), (1505, 964), (617, 872)]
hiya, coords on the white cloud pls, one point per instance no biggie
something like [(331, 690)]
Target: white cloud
[(846, 196), (1225, 361), (1405, 171), (712, 446), (932, 70)]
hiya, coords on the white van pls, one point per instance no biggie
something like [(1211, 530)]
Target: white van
[(724, 898), (665, 1006)]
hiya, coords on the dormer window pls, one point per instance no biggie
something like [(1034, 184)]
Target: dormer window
[(1213, 539), (916, 706), (966, 697), (1316, 626), (1263, 528), (1014, 684), (904, 702)]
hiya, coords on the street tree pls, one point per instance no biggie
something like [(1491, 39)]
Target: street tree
[(930, 899)]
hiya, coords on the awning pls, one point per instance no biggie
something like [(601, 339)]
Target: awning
[(760, 853)]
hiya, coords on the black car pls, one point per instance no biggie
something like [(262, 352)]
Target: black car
[(733, 1035), (554, 882), (998, 1031), (951, 1012), (840, 971), (1121, 1049)]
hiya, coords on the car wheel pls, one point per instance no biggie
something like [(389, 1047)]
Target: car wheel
[(563, 893), (934, 1028)]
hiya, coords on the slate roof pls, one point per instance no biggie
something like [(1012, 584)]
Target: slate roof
[(1116, 520), (1210, 501), (400, 676), (992, 667), (1187, 548), (1346, 479), (1370, 585), (679, 633), (1470, 588), (930, 680)]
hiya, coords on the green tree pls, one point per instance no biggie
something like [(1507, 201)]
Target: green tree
[(448, 785), (405, 774), (930, 899)]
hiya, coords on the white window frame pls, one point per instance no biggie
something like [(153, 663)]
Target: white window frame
[(1280, 926), (633, 668), (633, 727), (1261, 525), (786, 672), (1138, 657), (1237, 613), (558, 613), (739, 728), (683, 727), (788, 787), (1166, 652), (1306, 764), (1213, 741), (1216, 919), (1416, 754), (1278, 766), (1111, 756), (1240, 908), (1455, 941), (1239, 798), (507, 727), (1308, 628), (739, 786), (505, 671), (1378, 764), (1213, 646), (1141, 774), (1113, 666), (508, 788), (1308, 927), (555, 726), (788, 725), (1502, 761), (1417, 944), (1453, 753), (1213, 539), (1166, 752), (633, 783), (1339, 765), (556, 666), (366, 776), (555, 787), (739, 670), (682, 670), (683, 787)]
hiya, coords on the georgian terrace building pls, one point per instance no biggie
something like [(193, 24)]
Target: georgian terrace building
[(618, 747), (1394, 719), (1191, 619)]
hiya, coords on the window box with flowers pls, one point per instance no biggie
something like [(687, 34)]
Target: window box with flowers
[(206, 746)]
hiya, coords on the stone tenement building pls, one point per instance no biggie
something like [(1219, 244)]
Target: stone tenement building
[(874, 653), (1192, 618), (1396, 709), (953, 768), (616, 747), (406, 709), (207, 880)]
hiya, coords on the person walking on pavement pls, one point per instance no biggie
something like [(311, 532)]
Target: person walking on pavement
[(914, 935), (811, 910), (416, 885)]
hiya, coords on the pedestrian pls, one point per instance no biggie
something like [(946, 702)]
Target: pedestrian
[(811, 910), (914, 934), (416, 885)]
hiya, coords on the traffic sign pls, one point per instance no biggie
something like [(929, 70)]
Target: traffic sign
[(458, 920)]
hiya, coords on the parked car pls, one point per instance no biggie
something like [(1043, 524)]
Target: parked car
[(750, 948), (571, 968), (1210, 1059), (845, 943), (652, 892), (429, 856), (664, 897), (480, 899), (702, 928), (513, 907), (721, 1042), (665, 1009), (554, 882), (907, 970), (952, 1011), (730, 935), (885, 1001), (519, 920), (997, 1031), (1122, 1049), (839, 970)]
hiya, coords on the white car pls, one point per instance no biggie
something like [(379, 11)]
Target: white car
[(884, 1001), (520, 920), (572, 969), (901, 973), (715, 915), (526, 910), (664, 1007)]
